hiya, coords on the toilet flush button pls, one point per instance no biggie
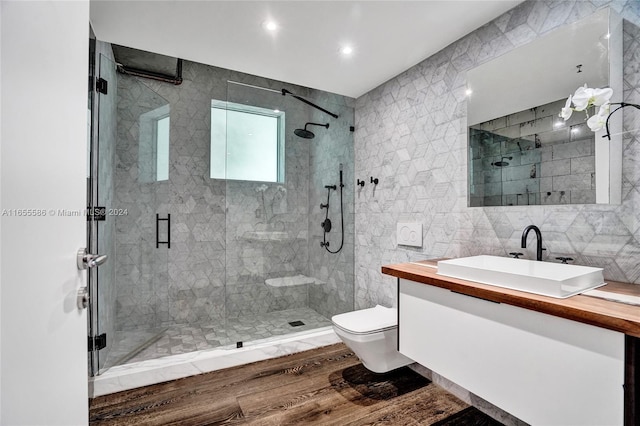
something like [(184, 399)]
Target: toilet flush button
[(409, 234)]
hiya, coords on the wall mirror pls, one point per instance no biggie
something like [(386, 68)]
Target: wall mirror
[(519, 151)]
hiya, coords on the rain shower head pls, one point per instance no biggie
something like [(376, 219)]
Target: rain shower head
[(304, 133), (502, 163), (307, 134)]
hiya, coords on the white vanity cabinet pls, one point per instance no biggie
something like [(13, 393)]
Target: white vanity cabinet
[(543, 369)]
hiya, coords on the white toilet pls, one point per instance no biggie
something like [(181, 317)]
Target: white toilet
[(372, 334)]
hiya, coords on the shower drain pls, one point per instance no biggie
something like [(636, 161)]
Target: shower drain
[(296, 323)]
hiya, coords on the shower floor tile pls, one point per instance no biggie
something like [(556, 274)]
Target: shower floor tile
[(179, 339)]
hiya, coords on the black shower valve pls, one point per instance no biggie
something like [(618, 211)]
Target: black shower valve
[(374, 180), (361, 183)]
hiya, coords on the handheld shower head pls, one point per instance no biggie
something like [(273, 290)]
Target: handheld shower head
[(307, 134)]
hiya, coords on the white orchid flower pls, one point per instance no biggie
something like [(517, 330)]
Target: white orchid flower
[(601, 96), (598, 121), (586, 97), (566, 111), (261, 188), (581, 98)]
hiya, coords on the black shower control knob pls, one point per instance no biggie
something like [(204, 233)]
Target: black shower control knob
[(374, 180), (360, 182)]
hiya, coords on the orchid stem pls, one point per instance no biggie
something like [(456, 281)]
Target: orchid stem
[(622, 105)]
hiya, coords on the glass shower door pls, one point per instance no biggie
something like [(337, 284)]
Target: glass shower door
[(274, 285), (265, 221), (102, 226), (142, 222), (129, 305)]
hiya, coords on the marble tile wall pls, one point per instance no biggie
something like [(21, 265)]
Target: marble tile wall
[(228, 237), (331, 148), (411, 133)]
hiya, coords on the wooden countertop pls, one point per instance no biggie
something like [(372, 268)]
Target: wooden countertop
[(615, 316)]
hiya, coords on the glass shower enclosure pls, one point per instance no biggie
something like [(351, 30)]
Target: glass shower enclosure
[(214, 211)]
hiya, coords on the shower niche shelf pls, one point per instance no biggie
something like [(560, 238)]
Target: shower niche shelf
[(267, 236), (295, 280)]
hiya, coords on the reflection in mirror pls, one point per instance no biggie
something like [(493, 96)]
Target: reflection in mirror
[(520, 152), (532, 157)]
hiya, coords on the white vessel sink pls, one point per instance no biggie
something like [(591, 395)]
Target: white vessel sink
[(545, 278)]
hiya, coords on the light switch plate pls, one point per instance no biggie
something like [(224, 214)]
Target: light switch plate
[(409, 234)]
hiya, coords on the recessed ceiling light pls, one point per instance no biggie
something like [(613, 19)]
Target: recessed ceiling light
[(346, 50), (468, 92), (270, 25)]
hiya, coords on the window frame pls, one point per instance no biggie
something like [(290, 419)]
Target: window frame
[(254, 110), (156, 123), (148, 144)]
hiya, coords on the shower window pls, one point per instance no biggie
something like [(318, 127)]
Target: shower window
[(162, 148), (153, 146), (247, 142)]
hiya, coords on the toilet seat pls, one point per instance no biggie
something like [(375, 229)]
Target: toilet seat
[(367, 321)]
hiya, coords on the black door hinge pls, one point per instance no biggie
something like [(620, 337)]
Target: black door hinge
[(98, 342), (101, 86)]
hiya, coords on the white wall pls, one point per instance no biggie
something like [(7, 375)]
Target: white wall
[(43, 80)]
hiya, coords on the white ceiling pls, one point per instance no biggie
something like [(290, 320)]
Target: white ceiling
[(388, 37)]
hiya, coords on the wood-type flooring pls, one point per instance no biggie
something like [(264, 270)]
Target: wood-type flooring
[(324, 386)]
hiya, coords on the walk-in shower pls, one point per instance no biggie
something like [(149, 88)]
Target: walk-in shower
[(220, 245)]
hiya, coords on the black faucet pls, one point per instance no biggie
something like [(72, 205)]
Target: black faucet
[(538, 237)]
